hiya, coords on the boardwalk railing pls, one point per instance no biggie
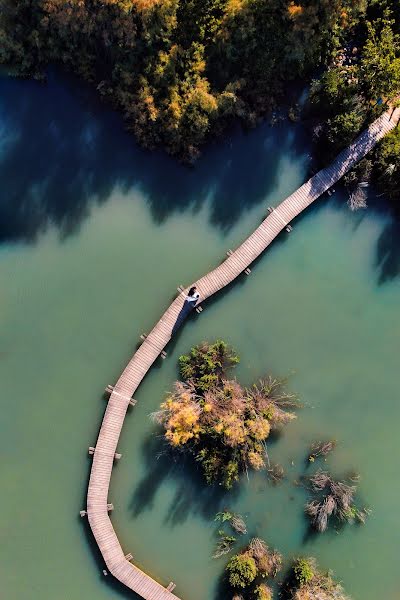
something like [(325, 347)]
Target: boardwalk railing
[(118, 563)]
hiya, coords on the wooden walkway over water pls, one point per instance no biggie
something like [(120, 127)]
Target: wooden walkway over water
[(117, 561)]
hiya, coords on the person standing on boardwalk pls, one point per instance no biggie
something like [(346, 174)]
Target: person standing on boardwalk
[(193, 295)]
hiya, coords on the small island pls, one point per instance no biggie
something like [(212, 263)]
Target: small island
[(221, 423), (248, 570), (308, 582)]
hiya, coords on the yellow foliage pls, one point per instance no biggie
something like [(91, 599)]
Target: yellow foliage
[(344, 15), (255, 460), (258, 428), (234, 430), (145, 4), (167, 404), (182, 418), (295, 10), (202, 97), (175, 107), (224, 428), (127, 5), (233, 7), (147, 103), (180, 437), (185, 417)]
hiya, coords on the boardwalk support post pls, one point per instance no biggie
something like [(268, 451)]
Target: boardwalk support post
[(110, 389), (199, 309), (289, 228), (171, 586), (229, 252), (180, 289), (105, 573), (143, 336), (117, 456), (129, 556), (247, 271), (83, 513), (92, 450), (163, 354), (110, 507)]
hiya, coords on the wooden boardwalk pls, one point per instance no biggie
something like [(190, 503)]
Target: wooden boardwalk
[(118, 563)]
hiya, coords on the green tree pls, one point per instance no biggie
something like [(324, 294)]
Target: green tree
[(198, 20), (263, 592), (380, 64), (343, 129), (242, 570), (303, 570), (387, 164), (207, 364)]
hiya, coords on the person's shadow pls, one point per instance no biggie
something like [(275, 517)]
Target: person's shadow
[(187, 308)]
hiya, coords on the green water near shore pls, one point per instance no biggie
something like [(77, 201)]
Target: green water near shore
[(320, 306)]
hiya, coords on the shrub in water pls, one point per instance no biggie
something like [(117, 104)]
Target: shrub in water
[(242, 570)]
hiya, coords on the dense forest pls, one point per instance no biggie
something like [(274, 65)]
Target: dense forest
[(182, 70)]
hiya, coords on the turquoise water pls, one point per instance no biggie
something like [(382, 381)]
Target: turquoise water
[(95, 237)]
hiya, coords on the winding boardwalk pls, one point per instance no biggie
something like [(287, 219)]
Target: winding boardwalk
[(119, 564)]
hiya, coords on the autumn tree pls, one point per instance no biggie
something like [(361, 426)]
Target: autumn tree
[(219, 422)]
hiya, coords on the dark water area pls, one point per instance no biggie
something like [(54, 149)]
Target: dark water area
[(67, 150), (63, 151), (95, 236)]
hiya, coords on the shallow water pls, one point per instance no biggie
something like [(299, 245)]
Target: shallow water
[(95, 237)]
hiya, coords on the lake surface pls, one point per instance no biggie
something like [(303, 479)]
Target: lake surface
[(95, 235)]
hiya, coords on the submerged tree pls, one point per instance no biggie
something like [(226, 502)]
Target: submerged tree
[(319, 449), (256, 562), (268, 562), (263, 592), (332, 499), (222, 424), (235, 520), (309, 583), (224, 544), (357, 198), (275, 473)]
